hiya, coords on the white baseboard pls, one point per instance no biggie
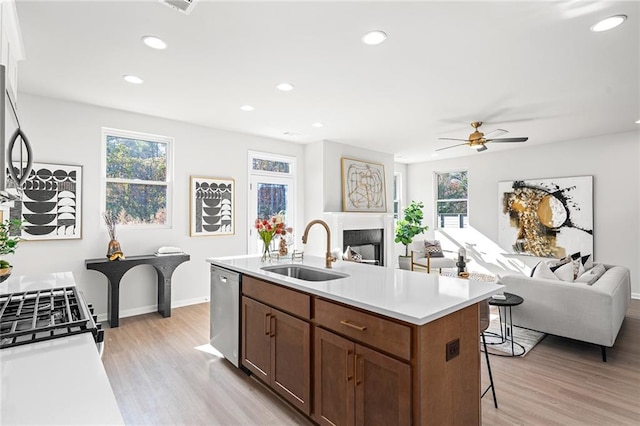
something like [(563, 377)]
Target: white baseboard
[(154, 308), (635, 295)]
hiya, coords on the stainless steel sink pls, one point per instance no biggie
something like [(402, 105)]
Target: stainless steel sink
[(305, 273)]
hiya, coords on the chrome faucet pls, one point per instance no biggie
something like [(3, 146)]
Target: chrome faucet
[(328, 257)]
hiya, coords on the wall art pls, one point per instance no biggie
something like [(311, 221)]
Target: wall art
[(546, 217), (51, 204), (212, 206), (363, 186)]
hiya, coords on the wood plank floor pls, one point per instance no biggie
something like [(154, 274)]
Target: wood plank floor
[(159, 378)]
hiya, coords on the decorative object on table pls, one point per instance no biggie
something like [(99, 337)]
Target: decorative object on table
[(283, 250), (211, 206), (461, 263), (114, 252), (51, 205), (269, 228), (407, 228), (546, 217), (363, 186), (9, 239), (168, 251)]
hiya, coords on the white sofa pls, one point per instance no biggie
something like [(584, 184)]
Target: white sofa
[(589, 313)]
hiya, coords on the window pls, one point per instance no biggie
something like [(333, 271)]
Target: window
[(137, 173), (397, 195), (452, 200), (271, 190)]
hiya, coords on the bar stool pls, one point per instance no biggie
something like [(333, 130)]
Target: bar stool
[(484, 324)]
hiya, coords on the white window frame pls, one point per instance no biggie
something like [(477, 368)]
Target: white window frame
[(436, 220), (397, 177), (107, 131), (289, 178)]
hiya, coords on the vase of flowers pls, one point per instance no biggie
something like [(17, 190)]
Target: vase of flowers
[(268, 229)]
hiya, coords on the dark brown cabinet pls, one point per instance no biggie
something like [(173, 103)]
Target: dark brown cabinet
[(275, 347), (358, 385)]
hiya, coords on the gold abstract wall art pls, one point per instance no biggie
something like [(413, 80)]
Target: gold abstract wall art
[(363, 186), (546, 217)]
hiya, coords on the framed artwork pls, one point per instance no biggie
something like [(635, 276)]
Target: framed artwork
[(51, 204), (363, 186), (212, 206), (546, 217)]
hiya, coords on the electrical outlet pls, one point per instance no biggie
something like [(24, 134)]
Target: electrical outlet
[(453, 349)]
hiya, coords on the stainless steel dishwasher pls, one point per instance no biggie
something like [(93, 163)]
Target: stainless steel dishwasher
[(225, 313)]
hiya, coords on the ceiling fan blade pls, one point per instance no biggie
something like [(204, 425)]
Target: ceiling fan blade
[(508, 140), (453, 139), (495, 133), (452, 146)]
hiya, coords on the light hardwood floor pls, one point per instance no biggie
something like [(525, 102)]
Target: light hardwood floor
[(159, 378)]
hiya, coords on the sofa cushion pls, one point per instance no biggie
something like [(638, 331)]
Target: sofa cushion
[(592, 275), (564, 272), (351, 255), (542, 270), (433, 248)]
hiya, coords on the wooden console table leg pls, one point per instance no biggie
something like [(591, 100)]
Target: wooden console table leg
[(113, 301)]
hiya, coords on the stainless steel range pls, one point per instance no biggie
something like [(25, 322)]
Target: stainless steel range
[(38, 315)]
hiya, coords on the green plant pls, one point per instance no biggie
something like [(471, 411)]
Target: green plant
[(8, 236), (410, 226)]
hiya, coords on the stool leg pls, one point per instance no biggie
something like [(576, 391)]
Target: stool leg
[(493, 389)]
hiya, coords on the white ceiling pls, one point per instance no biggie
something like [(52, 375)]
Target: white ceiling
[(532, 68)]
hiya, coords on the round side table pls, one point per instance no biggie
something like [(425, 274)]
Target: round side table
[(510, 301)]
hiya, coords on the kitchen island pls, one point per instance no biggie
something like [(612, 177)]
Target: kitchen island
[(373, 345)]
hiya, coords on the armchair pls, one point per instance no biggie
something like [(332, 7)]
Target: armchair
[(424, 259)]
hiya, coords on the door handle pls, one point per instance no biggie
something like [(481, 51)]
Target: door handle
[(267, 324), (223, 279)]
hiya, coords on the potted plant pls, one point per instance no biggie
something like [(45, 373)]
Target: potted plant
[(8, 244), (408, 228)]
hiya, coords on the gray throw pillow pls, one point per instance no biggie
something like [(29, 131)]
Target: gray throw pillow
[(433, 248)]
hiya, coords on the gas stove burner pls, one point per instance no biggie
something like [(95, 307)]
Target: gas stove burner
[(34, 316)]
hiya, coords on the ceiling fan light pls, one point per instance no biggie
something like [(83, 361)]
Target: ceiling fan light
[(608, 23), (481, 148)]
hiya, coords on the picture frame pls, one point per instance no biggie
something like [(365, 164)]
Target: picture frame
[(363, 186), (51, 203), (212, 206), (547, 217)]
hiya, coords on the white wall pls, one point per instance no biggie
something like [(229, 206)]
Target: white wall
[(69, 133), (613, 161)]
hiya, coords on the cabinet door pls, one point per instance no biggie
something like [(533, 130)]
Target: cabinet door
[(256, 330), (382, 389), (290, 359), (334, 381)]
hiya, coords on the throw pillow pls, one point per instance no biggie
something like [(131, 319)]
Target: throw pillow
[(587, 261), (542, 270), (592, 275), (351, 255), (433, 248), (564, 272)]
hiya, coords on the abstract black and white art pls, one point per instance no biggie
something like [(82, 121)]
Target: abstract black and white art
[(51, 203), (212, 207), (546, 217)]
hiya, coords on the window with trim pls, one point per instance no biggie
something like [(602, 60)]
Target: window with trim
[(397, 195), (452, 200), (137, 171)]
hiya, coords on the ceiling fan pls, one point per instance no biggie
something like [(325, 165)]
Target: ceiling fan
[(477, 139)]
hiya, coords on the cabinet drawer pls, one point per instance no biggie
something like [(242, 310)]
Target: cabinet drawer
[(291, 301), (376, 331)]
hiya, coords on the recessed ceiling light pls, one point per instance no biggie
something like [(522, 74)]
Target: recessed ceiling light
[(608, 23), (154, 42), (318, 124), (133, 79), (374, 37), (247, 108), (435, 154), (285, 87)]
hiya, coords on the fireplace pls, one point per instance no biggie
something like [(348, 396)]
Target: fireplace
[(369, 243)]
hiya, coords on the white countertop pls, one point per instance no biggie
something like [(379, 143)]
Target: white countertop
[(413, 297), (60, 381)]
